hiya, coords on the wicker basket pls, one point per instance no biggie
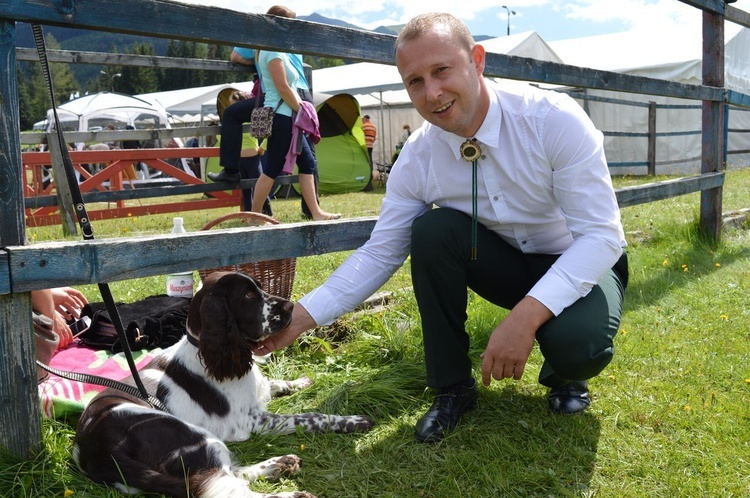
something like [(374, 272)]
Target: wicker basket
[(275, 276)]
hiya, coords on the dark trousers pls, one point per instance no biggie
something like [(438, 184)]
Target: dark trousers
[(250, 168), (232, 120), (278, 146), (576, 345)]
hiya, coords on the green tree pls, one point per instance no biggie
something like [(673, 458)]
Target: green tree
[(321, 62), (198, 51), (28, 114), (34, 98), (108, 79), (172, 77), (222, 53), (135, 79)]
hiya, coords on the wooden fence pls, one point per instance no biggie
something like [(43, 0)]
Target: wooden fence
[(25, 268), (111, 184)]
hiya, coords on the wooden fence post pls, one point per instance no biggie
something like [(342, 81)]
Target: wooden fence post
[(713, 143), (651, 138), (20, 423), (64, 197)]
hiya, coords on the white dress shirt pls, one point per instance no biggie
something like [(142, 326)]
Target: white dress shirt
[(543, 186)]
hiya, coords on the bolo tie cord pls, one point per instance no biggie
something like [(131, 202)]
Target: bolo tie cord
[(474, 222), (471, 152)]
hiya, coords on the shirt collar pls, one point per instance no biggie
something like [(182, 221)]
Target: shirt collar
[(488, 133)]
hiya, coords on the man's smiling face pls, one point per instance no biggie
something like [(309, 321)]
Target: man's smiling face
[(444, 80)]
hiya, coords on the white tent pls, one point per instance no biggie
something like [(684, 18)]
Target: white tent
[(191, 106), (674, 56), (94, 112), (97, 111), (380, 92)]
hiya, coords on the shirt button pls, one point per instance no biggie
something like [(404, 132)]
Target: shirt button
[(523, 242), (495, 198)]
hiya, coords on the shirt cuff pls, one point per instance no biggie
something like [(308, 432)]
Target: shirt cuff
[(555, 292), (321, 306)]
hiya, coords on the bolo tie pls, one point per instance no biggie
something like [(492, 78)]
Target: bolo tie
[(471, 152)]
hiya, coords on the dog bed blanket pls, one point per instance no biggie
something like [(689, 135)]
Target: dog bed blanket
[(60, 397)]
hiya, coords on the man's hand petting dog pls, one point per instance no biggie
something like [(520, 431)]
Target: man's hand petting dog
[(301, 322)]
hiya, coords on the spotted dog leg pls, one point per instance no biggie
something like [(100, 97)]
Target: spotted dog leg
[(311, 422)]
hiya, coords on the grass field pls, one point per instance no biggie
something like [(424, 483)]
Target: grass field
[(670, 417)]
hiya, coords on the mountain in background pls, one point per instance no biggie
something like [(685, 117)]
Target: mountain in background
[(87, 40), (327, 20)]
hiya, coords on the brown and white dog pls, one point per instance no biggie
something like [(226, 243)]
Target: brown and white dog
[(214, 393)]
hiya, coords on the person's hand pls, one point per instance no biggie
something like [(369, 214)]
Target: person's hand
[(68, 302), (301, 322), (512, 340), (60, 326)]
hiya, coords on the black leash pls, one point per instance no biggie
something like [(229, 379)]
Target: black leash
[(103, 381), (88, 234)]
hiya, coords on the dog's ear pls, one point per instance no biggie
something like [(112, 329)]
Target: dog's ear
[(225, 351), (194, 323), (194, 319)]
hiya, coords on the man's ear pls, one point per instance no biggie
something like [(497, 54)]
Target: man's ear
[(478, 56)]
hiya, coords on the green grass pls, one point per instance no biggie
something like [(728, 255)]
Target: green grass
[(670, 418)]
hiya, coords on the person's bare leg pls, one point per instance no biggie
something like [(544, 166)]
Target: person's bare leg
[(262, 189), (307, 186)]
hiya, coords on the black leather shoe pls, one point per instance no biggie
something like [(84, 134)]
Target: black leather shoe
[(224, 176), (450, 403), (571, 398)]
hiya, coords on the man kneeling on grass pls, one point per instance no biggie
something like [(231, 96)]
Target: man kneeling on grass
[(526, 217)]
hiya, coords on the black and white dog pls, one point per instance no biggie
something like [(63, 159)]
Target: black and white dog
[(214, 393)]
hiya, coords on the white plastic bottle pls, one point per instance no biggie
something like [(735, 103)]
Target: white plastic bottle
[(179, 284)]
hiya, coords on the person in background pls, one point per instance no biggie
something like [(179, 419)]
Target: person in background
[(242, 55), (241, 113), (237, 113), (285, 90), (405, 134), (113, 144), (371, 133), (129, 172), (62, 305), (250, 160), (504, 191), (251, 166)]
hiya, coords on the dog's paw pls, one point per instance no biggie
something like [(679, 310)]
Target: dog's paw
[(301, 383), (366, 423), (271, 469), (291, 494), (359, 423), (285, 466)]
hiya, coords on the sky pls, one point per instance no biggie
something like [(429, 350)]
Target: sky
[(552, 19)]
